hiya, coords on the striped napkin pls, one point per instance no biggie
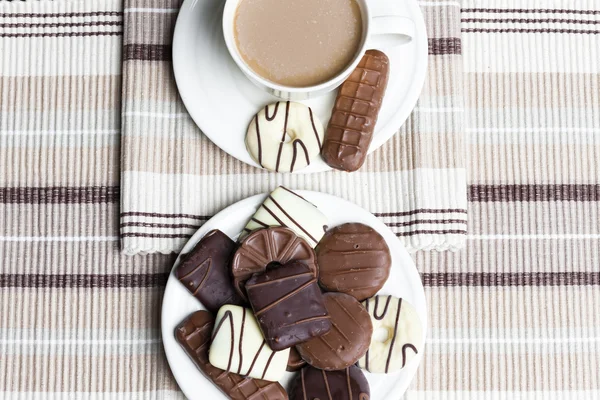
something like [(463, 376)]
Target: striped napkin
[(173, 178)]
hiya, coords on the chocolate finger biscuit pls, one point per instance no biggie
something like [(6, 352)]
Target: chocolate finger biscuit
[(355, 112)]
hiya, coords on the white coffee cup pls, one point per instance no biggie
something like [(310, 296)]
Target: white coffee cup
[(382, 28)]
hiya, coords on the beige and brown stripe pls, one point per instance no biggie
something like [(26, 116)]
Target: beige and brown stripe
[(515, 314), (77, 318)]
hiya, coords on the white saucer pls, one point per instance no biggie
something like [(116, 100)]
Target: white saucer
[(222, 101), (178, 303)]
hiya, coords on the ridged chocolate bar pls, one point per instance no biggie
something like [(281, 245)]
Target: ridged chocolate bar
[(355, 112), (194, 335)]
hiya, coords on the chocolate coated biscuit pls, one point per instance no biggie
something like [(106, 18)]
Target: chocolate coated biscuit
[(355, 112), (288, 305), (205, 271), (347, 384), (348, 339), (353, 259), (284, 207), (266, 247), (194, 336), (238, 346)]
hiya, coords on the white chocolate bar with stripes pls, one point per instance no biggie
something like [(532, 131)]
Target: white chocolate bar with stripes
[(238, 346), (285, 208)]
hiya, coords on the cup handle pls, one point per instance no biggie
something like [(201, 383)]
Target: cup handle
[(390, 31)]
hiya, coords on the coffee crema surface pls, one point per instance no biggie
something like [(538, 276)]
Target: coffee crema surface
[(298, 43)]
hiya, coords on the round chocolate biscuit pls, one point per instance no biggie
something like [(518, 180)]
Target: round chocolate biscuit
[(348, 339), (353, 259), (268, 247), (347, 384)]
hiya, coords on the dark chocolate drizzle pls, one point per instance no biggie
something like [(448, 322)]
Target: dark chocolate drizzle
[(259, 142), (387, 363), (240, 348), (279, 221), (268, 363), (407, 346), (312, 120), (287, 113), (258, 221), (295, 148), (256, 357), (297, 195), (227, 315), (385, 310), (274, 112), (291, 219), (367, 353)]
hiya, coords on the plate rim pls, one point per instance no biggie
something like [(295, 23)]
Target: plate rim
[(258, 199), (397, 121)]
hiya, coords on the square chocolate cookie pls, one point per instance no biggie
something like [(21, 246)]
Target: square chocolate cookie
[(205, 271), (289, 305)]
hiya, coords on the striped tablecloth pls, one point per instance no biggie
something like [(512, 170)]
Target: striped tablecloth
[(77, 318), (517, 314), (514, 315)]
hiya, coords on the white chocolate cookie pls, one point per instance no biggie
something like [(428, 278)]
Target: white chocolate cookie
[(286, 208), (238, 346), (284, 137), (397, 334)]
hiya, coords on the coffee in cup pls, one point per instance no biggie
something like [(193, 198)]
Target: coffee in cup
[(298, 43)]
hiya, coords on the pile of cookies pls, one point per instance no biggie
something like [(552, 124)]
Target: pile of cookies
[(286, 136), (294, 295)]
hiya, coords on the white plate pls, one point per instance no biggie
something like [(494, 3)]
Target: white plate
[(178, 303), (222, 101)]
